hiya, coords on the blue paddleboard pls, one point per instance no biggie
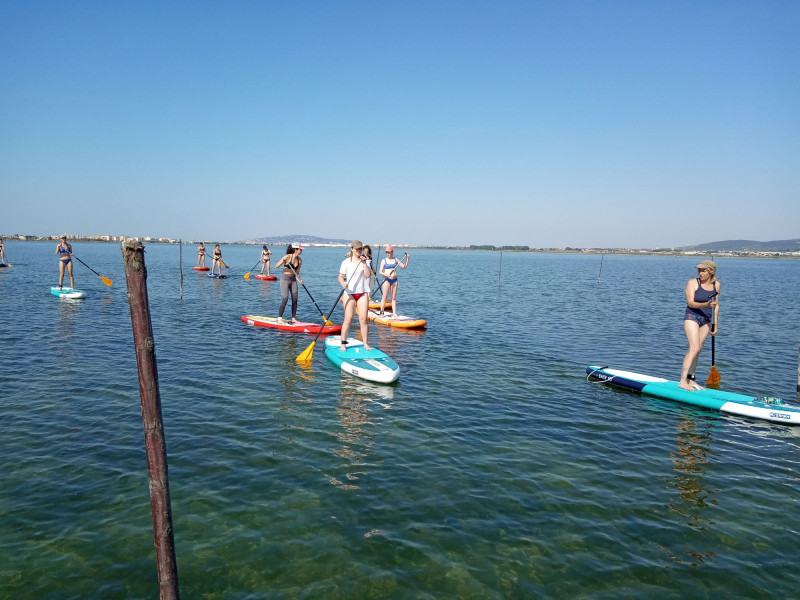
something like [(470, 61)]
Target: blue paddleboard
[(758, 407), (372, 365), (215, 276)]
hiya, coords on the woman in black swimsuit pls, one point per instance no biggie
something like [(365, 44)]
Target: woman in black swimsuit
[(291, 260)]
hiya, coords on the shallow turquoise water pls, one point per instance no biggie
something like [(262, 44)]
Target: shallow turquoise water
[(491, 470)]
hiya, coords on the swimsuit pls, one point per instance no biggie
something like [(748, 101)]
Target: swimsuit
[(61, 251), (388, 267), (701, 316)]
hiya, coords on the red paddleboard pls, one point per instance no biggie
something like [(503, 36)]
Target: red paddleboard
[(266, 277), (201, 268), (287, 325)]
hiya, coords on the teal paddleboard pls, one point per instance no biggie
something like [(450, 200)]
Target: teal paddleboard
[(372, 365), (767, 408), (67, 293)]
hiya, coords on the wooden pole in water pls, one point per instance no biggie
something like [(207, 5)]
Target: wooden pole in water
[(154, 442), (500, 271), (602, 258), (180, 263)]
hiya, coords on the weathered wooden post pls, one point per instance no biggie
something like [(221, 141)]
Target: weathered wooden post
[(154, 442), (180, 263)]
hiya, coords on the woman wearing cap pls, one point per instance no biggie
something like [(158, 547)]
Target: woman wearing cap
[(388, 270), (700, 319), (354, 278), (265, 254), (291, 260), (201, 255), (64, 251)]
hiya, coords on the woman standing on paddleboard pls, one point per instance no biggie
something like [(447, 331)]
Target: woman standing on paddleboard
[(354, 278), (388, 270), (700, 319), (265, 254), (64, 251), (289, 279), (216, 263), (201, 255)]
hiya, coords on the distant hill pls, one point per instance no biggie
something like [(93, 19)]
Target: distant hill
[(749, 246), (303, 239)]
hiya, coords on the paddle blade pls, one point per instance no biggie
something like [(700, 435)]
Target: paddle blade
[(713, 377), (106, 280), (306, 355), (247, 275)]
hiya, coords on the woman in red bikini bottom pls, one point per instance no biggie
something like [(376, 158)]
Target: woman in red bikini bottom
[(354, 278)]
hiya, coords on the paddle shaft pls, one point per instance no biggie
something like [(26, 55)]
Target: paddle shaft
[(247, 275), (713, 349), (307, 292), (106, 280), (309, 352)]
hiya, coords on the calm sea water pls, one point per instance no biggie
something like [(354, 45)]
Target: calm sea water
[(492, 469)]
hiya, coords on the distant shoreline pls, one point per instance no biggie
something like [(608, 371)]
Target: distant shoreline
[(472, 248)]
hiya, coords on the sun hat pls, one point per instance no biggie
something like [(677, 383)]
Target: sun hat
[(389, 248), (707, 264), (356, 244), (297, 246)]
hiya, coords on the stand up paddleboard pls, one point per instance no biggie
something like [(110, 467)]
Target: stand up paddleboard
[(266, 277), (275, 323), (762, 407), (3, 265), (398, 321), (372, 365), (67, 293), (215, 276), (201, 268)]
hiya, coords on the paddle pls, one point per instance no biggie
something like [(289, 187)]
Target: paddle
[(224, 265), (105, 280), (305, 355), (713, 375), (327, 322), (247, 275)]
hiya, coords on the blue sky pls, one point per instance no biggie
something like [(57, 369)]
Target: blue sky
[(551, 124)]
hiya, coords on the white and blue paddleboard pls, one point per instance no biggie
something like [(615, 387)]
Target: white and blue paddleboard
[(67, 293), (215, 276), (758, 407), (372, 365)]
